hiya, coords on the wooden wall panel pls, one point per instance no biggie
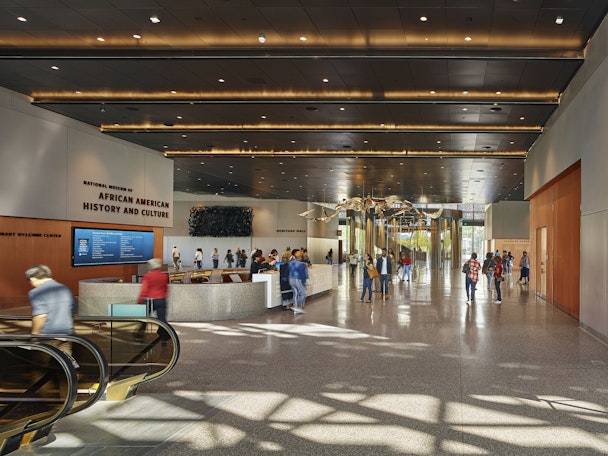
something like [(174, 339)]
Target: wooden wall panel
[(36, 241), (541, 215), (567, 235), (557, 207)]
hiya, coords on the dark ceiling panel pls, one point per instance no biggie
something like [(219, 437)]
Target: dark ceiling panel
[(409, 107)]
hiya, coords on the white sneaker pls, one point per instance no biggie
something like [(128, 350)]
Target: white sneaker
[(497, 302)]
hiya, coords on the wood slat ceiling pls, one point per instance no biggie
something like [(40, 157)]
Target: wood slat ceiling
[(409, 106)]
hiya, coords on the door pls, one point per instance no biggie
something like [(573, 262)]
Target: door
[(541, 262)]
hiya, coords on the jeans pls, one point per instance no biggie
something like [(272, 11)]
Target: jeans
[(497, 283), (406, 272), (489, 275), (160, 306), (353, 267), (470, 287), (384, 283), (216, 263), (367, 285), (299, 291)]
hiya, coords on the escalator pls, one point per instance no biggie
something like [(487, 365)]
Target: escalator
[(38, 386), (110, 358), (137, 350)]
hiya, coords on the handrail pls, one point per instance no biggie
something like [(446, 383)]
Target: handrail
[(89, 390), (12, 432), (115, 336), (167, 333)]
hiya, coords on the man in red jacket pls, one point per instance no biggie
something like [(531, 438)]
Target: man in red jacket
[(154, 288)]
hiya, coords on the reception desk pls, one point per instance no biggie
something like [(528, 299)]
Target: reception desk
[(200, 301), (319, 281), (186, 302)]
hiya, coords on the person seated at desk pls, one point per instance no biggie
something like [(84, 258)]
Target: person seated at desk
[(259, 264)]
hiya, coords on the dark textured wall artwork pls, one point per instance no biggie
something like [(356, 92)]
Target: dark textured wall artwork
[(220, 221)]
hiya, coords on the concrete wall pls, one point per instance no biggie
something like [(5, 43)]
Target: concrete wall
[(508, 220), (276, 225), (57, 168), (577, 131)]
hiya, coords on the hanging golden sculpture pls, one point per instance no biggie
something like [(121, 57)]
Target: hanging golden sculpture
[(382, 207)]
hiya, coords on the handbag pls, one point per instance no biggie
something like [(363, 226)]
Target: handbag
[(373, 273)]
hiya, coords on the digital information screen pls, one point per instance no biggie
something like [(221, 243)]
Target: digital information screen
[(93, 246)]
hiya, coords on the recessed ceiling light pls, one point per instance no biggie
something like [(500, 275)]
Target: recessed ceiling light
[(467, 38), (221, 80), (522, 118), (137, 36), (559, 20), (342, 109), (180, 117), (325, 80), (184, 136), (78, 92), (465, 92), (423, 18), (54, 67), (101, 39), (263, 117), (173, 91), (262, 38), (22, 19), (303, 38), (154, 19), (498, 92), (465, 109), (365, 141), (433, 92)]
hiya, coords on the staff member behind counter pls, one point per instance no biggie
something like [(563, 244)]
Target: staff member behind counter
[(260, 264)]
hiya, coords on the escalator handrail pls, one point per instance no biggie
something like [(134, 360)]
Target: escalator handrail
[(90, 346), (65, 363), (166, 326)]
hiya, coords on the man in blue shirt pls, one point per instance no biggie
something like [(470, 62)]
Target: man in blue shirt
[(52, 304)]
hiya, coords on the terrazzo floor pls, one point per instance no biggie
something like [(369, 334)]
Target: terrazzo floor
[(421, 373)]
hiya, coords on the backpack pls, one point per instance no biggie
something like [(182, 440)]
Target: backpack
[(465, 268)]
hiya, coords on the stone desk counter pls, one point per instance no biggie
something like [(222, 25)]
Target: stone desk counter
[(186, 301)]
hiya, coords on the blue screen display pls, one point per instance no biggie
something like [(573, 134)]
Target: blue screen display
[(94, 246)]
